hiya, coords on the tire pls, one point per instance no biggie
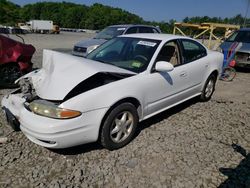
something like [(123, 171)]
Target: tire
[(208, 89), (9, 74), (229, 74), (119, 126)]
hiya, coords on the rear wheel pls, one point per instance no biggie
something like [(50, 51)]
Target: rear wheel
[(209, 88), (9, 73), (119, 126)]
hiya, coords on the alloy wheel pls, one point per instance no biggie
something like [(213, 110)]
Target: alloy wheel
[(122, 126), (210, 88)]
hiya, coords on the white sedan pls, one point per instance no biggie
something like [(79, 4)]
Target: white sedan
[(72, 100)]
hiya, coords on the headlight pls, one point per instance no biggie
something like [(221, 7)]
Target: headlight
[(48, 109), (91, 48)]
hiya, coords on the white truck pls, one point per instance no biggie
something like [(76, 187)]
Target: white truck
[(41, 26)]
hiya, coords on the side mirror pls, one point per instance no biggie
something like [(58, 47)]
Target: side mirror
[(163, 66)]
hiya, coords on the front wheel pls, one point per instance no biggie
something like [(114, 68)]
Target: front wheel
[(209, 88), (119, 126)]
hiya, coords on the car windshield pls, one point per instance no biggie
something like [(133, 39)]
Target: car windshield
[(110, 32), (240, 36), (132, 54)]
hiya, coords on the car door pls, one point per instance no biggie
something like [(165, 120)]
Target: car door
[(196, 64), (165, 89), (183, 82)]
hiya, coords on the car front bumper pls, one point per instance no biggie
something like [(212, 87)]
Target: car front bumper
[(243, 64), (53, 133)]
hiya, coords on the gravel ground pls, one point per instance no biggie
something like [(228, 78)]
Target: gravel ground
[(192, 145)]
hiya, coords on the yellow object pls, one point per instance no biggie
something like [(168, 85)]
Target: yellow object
[(56, 29), (205, 28)]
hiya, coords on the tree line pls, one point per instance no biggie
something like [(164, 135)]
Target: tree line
[(96, 16)]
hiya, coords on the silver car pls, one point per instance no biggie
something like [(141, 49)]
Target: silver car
[(239, 38), (84, 47)]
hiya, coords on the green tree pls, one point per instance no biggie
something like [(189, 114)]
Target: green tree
[(97, 16), (9, 12)]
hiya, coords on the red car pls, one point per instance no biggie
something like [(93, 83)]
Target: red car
[(15, 60)]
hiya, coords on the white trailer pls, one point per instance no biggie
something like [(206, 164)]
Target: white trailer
[(41, 26)]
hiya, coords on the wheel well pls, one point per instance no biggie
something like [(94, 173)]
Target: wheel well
[(131, 100), (215, 72)]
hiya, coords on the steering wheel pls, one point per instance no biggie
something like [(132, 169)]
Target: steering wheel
[(141, 59)]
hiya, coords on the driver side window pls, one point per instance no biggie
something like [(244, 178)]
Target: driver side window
[(170, 53)]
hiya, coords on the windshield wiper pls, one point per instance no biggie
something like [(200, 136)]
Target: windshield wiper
[(106, 62), (101, 61)]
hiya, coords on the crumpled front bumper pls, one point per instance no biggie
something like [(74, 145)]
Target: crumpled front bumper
[(53, 133), (11, 119), (243, 64), (12, 104)]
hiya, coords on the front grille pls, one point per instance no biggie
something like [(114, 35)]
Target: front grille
[(241, 56), (80, 49)]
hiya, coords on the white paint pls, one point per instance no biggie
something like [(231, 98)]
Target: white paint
[(155, 91)]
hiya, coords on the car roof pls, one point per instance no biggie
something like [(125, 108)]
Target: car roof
[(132, 25), (155, 36)]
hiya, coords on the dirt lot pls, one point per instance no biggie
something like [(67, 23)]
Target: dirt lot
[(192, 145)]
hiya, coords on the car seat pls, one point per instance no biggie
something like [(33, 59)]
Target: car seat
[(169, 54)]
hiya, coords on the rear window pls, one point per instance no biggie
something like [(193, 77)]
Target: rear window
[(110, 32), (240, 36), (192, 50), (145, 30)]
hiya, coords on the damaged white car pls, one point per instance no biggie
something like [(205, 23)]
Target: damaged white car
[(72, 100)]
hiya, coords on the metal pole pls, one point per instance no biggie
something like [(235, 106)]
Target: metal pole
[(244, 24)]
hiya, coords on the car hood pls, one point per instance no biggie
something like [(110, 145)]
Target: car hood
[(90, 42), (60, 73), (244, 48)]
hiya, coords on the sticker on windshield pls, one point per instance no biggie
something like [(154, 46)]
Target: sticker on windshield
[(147, 43), (121, 29), (136, 64)]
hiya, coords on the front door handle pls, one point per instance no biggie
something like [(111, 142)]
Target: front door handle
[(183, 74)]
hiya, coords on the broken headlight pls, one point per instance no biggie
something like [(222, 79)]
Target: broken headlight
[(49, 109)]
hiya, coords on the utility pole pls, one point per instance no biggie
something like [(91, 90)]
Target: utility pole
[(245, 18)]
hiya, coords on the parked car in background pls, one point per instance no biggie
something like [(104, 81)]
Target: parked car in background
[(15, 59), (15, 30), (84, 47), (12, 30), (4, 30), (242, 55), (73, 100)]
